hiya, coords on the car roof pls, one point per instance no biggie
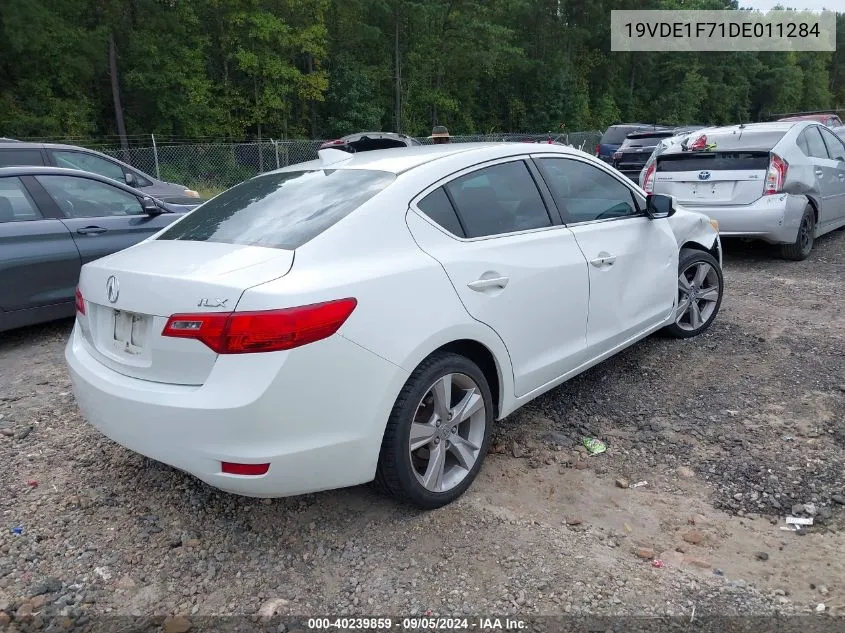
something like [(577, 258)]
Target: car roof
[(401, 159), (747, 136)]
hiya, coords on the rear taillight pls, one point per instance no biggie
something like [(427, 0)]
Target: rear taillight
[(598, 150), (617, 155), (80, 301), (648, 181), (265, 331), (250, 470), (775, 175)]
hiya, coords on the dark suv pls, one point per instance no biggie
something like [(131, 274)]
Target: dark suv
[(19, 153), (614, 136), (635, 150)]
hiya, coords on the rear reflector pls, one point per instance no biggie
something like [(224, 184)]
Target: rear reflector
[(252, 470), (264, 331), (80, 301)]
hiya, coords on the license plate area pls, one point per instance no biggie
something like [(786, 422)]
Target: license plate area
[(710, 190), (130, 332)]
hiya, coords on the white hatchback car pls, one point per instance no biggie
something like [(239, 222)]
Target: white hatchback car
[(368, 316)]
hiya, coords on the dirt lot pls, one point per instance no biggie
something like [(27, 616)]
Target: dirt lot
[(732, 432)]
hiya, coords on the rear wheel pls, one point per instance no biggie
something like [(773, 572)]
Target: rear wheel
[(437, 434), (803, 244), (700, 288)]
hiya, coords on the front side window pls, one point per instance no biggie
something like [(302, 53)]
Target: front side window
[(80, 197), (835, 148), (89, 162), (499, 199), (15, 203), (280, 210), (585, 193), (814, 143)]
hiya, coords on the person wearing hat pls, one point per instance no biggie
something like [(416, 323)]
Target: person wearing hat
[(439, 134)]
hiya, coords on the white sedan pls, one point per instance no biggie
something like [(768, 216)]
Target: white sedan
[(367, 317)]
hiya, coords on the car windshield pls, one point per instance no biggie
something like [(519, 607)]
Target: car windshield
[(280, 210)]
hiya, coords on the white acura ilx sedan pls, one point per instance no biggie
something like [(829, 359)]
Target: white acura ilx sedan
[(367, 317)]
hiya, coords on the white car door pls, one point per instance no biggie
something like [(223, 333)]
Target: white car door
[(633, 260), (512, 263)]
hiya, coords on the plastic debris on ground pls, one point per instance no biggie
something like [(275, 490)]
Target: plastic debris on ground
[(658, 563), (799, 521), (17, 530), (639, 484), (594, 446), (718, 572), (32, 483)]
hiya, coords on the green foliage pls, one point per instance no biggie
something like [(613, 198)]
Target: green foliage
[(233, 69)]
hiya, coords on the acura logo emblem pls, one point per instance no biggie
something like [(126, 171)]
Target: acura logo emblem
[(113, 289), (704, 175)]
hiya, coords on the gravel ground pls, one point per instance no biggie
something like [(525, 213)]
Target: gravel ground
[(731, 432)]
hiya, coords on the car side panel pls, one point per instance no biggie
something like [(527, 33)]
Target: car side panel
[(39, 264)]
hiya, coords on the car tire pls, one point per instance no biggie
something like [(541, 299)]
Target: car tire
[(700, 290), (803, 245), (411, 472)]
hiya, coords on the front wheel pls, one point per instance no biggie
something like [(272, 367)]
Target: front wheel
[(437, 434), (700, 288)]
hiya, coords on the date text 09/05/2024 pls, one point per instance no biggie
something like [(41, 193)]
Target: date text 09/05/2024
[(417, 624), (724, 30)]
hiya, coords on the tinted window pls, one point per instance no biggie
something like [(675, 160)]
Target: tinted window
[(14, 157), (499, 199), (86, 198), (436, 205), (815, 143), (15, 203), (643, 141), (585, 193), (281, 210), (88, 162), (835, 148), (715, 161), (616, 135)]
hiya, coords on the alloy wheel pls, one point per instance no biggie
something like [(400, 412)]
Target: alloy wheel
[(447, 432), (698, 295)]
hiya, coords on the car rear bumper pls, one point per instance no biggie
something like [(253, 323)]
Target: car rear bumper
[(774, 219), (317, 417)]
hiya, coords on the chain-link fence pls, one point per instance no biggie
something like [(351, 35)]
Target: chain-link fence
[(212, 167)]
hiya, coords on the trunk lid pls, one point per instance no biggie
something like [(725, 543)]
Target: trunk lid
[(712, 178), (153, 280)]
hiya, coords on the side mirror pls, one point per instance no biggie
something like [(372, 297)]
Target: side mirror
[(659, 206), (130, 178), (150, 207)]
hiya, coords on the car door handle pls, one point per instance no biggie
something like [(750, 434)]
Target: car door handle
[(91, 230), (484, 283), (604, 260)]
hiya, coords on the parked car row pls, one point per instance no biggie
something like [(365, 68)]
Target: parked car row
[(781, 182), (52, 222)]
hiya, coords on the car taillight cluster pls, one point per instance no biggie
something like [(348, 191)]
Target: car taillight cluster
[(775, 175), (648, 181), (598, 150), (262, 331), (80, 301)]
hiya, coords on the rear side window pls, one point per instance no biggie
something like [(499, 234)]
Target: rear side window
[(717, 161), (499, 199), (15, 203), (282, 210), (88, 162), (814, 143), (616, 135), (15, 157), (437, 206)]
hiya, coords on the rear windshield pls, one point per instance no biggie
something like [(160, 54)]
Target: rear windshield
[(616, 135), (282, 210), (644, 141), (714, 161)]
